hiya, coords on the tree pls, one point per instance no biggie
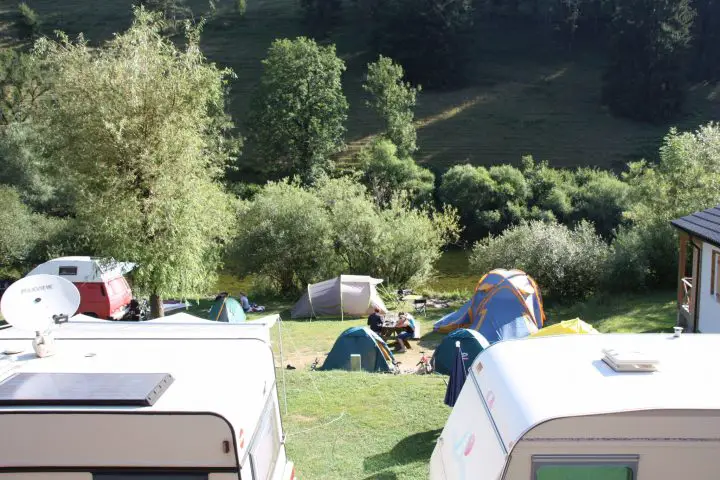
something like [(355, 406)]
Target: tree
[(706, 40), (429, 38), (22, 82), (686, 179), (386, 173), (301, 234), (139, 130), (393, 100), (567, 263), (287, 238), (321, 15), (298, 114), (21, 231), (645, 78)]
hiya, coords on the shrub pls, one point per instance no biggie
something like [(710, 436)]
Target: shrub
[(294, 235), (29, 20), (567, 263), (25, 236), (601, 198), (386, 174), (284, 235)]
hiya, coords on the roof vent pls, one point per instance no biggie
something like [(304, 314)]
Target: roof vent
[(629, 361)]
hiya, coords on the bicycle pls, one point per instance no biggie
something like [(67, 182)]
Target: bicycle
[(424, 366)]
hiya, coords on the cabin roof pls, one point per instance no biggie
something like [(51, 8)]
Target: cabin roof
[(528, 381), (220, 369), (704, 224)]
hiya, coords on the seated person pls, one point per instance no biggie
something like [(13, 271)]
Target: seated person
[(244, 302), (407, 323), (375, 321)]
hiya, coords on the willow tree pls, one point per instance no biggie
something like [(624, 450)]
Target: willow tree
[(138, 129)]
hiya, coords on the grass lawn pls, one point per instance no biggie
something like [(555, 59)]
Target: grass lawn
[(345, 425), (383, 426)]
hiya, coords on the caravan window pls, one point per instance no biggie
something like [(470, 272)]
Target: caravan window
[(149, 476), (596, 467), (266, 443), (67, 270)]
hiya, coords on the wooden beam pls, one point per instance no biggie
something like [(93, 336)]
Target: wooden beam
[(681, 265)]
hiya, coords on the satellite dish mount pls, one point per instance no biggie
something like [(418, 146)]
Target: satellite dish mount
[(38, 303)]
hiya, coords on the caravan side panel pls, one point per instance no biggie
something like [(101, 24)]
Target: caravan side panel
[(468, 448), (76, 439), (653, 444)]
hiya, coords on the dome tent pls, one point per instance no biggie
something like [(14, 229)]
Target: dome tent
[(375, 355), (574, 326), (226, 309), (506, 304), (471, 344), (344, 295)]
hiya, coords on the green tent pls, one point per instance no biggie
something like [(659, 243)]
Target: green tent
[(227, 309)]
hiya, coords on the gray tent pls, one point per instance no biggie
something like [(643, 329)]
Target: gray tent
[(344, 295)]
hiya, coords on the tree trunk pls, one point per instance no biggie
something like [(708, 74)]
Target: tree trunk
[(156, 306)]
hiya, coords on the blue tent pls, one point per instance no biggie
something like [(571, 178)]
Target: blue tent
[(375, 356), (471, 343), (506, 304), (227, 309)]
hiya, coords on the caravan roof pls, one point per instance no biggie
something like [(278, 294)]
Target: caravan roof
[(78, 269), (573, 380), (197, 356)]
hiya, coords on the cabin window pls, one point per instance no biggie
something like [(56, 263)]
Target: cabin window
[(591, 467), (67, 270), (266, 444), (715, 274)]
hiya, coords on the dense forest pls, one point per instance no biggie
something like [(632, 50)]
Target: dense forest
[(136, 147)]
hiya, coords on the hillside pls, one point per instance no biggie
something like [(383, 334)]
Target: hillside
[(528, 95)]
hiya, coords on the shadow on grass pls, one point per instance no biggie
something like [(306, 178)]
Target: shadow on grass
[(431, 340), (416, 447), (382, 476)]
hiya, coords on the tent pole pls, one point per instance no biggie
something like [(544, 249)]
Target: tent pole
[(282, 362)]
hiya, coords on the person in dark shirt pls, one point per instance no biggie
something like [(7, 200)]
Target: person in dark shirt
[(375, 321)]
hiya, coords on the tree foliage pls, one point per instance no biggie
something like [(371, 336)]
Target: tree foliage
[(23, 233), (686, 179), (386, 174), (393, 100), (22, 82), (298, 113), (138, 129), (304, 234), (567, 263), (645, 78), (429, 38)]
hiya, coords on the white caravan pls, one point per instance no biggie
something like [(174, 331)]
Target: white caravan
[(141, 401), (600, 407)]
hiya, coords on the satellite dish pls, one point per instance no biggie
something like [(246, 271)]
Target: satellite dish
[(34, 303)]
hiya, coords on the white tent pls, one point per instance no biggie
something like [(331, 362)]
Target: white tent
[(343, 295)]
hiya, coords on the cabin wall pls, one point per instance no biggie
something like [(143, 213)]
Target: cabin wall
[(709, 304)]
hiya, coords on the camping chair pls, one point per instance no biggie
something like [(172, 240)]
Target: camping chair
[(420, 305)]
